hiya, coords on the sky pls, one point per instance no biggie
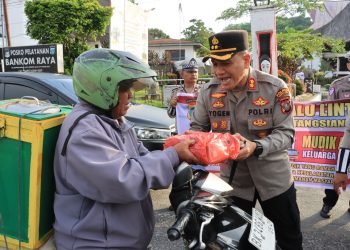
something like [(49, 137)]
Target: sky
[(167, 17)]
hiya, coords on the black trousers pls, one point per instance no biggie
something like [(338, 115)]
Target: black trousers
[(283, 211), (331, 197)]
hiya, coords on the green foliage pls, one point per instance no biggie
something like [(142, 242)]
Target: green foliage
[(197, 32), (299, 87), (282, 24), (284, 7), (70, 22), (239, 26), (297, 23), (155, 33), (321, 80), (295, 46)]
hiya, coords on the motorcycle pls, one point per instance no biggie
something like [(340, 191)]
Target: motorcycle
[(206, 218)]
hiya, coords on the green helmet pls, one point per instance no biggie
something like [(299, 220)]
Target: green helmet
[(98, 73)]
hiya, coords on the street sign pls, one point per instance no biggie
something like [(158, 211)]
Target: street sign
[(37, 58)]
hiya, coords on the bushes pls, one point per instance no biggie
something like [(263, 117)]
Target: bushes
[(299, 87)]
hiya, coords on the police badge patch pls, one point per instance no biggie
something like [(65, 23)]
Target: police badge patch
[(283, 97)]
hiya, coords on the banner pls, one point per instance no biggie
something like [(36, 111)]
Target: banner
[(319, 128), (184, 109)]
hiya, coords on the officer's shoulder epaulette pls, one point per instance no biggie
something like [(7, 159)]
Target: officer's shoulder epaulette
[(270, 79), (338, 81), (211, 83), (175, 89)]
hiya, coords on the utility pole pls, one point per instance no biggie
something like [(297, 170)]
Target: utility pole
[(4, 5), (2, 38)]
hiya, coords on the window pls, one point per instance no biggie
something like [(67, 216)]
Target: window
[(18, 91), (176, 55)]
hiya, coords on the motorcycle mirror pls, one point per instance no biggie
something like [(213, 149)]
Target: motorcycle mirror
[(183, 175)]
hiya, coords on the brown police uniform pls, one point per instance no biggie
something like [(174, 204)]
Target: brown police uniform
[(340, 89), (261, 113)]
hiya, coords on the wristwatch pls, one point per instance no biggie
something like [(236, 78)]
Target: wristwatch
[(259, 149)]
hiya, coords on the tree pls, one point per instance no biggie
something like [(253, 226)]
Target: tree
[(298, 23), (295, 46), (197, 32), (70, 22), (284, 7), (155, 33)]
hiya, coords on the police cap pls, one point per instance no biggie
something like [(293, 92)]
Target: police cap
[(225, 44), (189, 65)]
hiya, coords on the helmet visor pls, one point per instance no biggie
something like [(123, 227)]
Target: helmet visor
[(137, 84)]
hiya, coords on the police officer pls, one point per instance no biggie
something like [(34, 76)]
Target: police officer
[(339, 89), (257, 107), (189, 73), (341, 176)]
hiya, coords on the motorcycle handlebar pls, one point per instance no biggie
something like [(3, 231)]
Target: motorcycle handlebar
[(175, 231)]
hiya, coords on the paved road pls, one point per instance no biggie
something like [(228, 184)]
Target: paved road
[(319, 233)]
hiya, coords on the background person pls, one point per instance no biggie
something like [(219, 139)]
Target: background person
[(258, 106), (341, 175), (339, 89), (189, 74), (103, 174)]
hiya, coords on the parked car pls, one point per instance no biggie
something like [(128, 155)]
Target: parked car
[(152, 124)]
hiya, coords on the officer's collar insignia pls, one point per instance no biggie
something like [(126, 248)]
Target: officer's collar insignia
[(218, 104), (218, 95), (259, 122), (260, 102), (251, 84)]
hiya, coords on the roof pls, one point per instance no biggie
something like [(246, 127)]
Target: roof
[(338, 27), (331, 10), (171, 42)]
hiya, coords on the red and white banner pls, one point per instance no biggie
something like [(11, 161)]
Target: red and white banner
[(184, 109)]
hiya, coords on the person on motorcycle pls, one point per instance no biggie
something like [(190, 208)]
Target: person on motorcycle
[(103, 174), (258, 108)]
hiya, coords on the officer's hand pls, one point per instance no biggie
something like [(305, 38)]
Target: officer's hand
[(173, 101), (184, 153), (246, 147), (340, 181)]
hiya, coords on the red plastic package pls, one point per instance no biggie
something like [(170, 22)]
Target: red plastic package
[(209, 148)]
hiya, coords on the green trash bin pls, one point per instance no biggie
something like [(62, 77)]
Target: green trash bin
[(27, 145)]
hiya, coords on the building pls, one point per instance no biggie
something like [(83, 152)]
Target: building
[(334, 21), (127, 31), (175, 49), (13, 24)]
